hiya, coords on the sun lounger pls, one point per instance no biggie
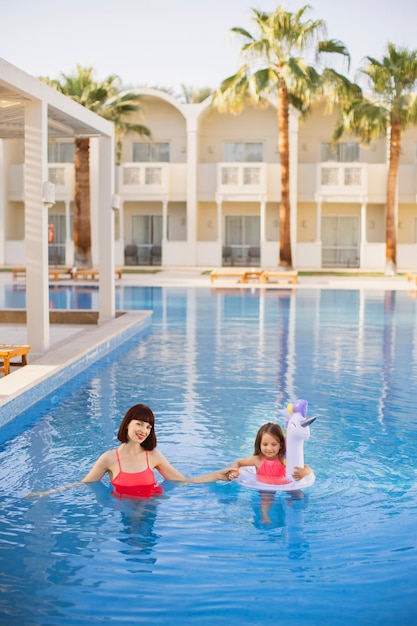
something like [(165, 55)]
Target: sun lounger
[(289, 277), (226, 274), (55, 273), (93, 273), (18, 272), (9, 351), (412, 278)]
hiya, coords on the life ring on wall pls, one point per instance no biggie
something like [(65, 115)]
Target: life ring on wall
[(247, 478), (51, 233)]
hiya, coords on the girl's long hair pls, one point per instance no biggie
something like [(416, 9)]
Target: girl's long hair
[(276, 431)]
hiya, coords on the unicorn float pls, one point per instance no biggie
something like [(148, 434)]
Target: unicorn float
[(297, 432)]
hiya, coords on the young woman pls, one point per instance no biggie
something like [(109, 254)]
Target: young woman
[(131, 466)]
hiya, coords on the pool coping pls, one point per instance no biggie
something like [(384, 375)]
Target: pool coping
[(67, 358)]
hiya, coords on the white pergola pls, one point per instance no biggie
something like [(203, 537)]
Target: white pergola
[(32, 110)]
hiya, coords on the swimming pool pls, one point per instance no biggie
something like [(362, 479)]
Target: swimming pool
[(215, 366)]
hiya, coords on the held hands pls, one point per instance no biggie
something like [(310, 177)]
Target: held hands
[(232, 473), (227, 474)]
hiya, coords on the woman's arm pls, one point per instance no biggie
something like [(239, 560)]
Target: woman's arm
[(165, 468), (100, 467), (169, 472), (223, 474)]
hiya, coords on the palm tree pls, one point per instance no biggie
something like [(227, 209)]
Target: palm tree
[(195, 95), (108, 100), (390, 110), (275, 68)]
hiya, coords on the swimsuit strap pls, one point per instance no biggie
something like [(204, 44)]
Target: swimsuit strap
[(118, 460), (147, 460)]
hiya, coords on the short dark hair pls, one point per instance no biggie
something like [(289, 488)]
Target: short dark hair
[(141, 413), (276, 431)]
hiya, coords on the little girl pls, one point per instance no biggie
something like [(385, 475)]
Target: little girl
[(268, 457)]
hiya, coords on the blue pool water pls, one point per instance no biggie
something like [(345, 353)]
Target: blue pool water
[(214, 367)]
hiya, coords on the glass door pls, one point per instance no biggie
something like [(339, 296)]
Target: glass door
[(340, 241)]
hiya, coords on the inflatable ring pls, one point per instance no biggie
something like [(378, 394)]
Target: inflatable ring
[(247, 478)]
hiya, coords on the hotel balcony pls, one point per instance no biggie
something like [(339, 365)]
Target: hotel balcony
[(60, 174), (344, 182), (241, 180), (152, 181)]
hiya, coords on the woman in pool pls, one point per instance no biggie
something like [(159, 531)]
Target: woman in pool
[(130, 466), (268, 458)]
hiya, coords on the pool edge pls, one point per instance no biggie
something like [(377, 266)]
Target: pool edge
[(65, 360)]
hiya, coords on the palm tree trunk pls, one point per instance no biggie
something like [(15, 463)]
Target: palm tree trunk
[(285, 258), (391, 226), (82, 228)]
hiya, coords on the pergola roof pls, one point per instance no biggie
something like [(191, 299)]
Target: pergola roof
[(66, 118), (27, 108)]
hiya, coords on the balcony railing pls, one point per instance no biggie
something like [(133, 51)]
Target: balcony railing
[(342, 177), (242, 178), (144, 177)]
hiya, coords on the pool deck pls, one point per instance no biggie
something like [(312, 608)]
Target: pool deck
[(74, 346)]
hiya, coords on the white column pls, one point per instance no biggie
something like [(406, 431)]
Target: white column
[(318, 223), (363, 223), (36, 227), (262, 226), (164, 222), (293, 140), (107, 298), (192, 152), (219, 221), (69, 249)]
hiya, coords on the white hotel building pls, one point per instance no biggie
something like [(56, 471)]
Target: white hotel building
[(205, 193)]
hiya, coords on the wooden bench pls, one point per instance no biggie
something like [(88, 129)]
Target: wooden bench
[(93, 273), (9, 351), (251, 275), (289, 277), (226, 274), (18, 272), (54, 273)]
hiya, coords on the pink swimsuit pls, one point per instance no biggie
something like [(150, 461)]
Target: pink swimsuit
[(135, 484), (272, 472)]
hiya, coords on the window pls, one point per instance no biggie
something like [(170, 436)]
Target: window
[(157, 152), (243, 152), (345, 152), (61, 152)]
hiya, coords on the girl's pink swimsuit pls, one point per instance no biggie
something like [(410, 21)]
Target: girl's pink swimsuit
[(272, 472), (135, 484)]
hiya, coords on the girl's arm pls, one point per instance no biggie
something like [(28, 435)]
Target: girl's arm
[(300, 472), (249, 461)]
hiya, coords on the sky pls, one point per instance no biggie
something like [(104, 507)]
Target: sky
[(169, 43)]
